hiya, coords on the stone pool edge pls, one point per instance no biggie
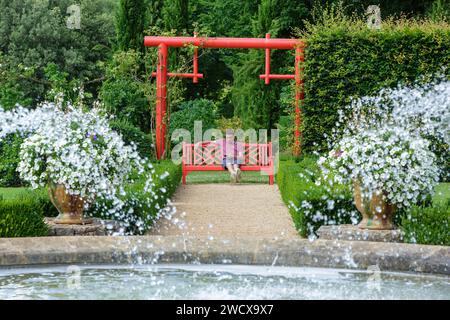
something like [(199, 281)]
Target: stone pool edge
[(172, 249)]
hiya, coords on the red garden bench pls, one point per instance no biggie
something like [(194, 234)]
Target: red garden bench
[(207, 156)]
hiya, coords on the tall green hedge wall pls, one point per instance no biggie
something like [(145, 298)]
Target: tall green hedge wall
[(351, 60)]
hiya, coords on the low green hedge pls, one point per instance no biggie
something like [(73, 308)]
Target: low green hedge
[(427, 225), (171, 181), (22, 217), (344, 59), (138, 205), (9, 151), (311, 203)]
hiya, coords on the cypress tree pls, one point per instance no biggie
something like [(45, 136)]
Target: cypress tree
[(255, 103), (176, 15), (130, 24)]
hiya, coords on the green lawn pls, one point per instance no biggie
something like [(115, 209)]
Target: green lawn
[(224, 177), (442, 193), (11, 193)]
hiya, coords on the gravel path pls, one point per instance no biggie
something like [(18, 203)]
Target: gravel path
[(229, 211)]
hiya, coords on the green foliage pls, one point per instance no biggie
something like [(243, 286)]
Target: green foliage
[(229, 123), (132, 134), (439, 10), (227, 18), (124, 92), (11, 92), (59, 83), (34, 33), (164, 189), (23, 216), (9, 159), (286, 138), (256, 103), (175, 15), (191, 111), (311, 203), (130, 25), (224, 177), (442, 193), (427, 225), (171, 182), (345, 59), (137, 202), (40, 196), (389, 8)]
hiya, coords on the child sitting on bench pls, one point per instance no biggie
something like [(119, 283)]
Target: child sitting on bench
[(232, 155)]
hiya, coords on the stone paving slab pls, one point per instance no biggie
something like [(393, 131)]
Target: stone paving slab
[(174, 249), (229, 211), (351, 232)]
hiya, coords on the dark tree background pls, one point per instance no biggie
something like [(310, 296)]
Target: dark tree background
[(39, 55)]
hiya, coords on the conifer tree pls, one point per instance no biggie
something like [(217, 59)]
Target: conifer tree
[(130, 25), (176, 15)]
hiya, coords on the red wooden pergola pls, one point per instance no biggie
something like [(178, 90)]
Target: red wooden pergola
[(163, 43)]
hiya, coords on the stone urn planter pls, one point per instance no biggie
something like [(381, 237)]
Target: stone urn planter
[(376, 212), (70, 207)]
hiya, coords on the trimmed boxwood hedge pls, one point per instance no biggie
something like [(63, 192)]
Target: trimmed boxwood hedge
[(136, 199), (171, 182), (345, 59), (427, 225), (312, 205), (22, 217), (309, 202)]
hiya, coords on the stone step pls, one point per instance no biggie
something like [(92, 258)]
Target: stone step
[(353, 233)]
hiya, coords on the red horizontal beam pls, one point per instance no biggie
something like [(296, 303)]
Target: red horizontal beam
[(182, 75), (236, 43), (278, 76)]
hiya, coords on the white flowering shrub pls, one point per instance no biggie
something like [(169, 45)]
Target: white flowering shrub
[(384, 160), (24, 121), (422, 109), (79, 150), (388, 142), (311, 202)]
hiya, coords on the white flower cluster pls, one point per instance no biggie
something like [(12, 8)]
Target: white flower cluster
[(79, 150), (24, 121), (388, 161), (423, 108), (381, 141)]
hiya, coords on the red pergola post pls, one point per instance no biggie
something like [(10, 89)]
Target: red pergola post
[(234, 43), (161, 100), (299, 95)]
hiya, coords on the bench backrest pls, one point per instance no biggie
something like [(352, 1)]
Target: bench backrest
[(210, 153)]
